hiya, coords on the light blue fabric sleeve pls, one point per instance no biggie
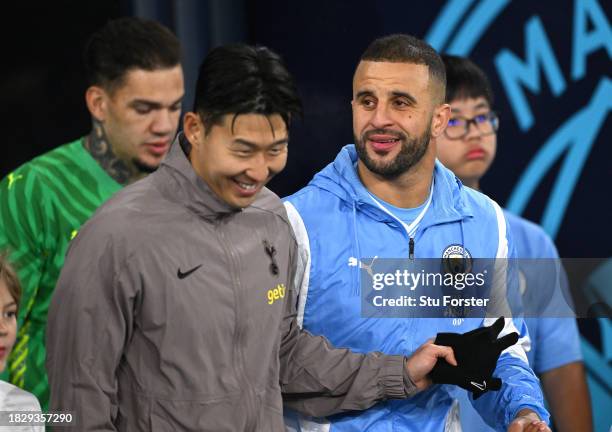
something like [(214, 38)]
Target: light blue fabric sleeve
[(520, 387), (557, 343)]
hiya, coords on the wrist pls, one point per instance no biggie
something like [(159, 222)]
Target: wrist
[(410, 386), (528, 414)]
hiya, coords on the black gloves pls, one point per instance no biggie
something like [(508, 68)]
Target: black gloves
[(476, 352)]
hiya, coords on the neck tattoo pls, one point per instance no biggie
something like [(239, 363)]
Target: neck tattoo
[(100, 149)]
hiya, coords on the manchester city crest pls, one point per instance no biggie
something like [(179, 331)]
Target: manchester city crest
[(456, 259)]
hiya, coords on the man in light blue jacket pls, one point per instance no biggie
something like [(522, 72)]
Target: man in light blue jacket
[(468, 147), (388, 197)]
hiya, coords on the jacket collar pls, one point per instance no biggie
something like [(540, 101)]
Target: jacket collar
[(186, 185), (340, 178)]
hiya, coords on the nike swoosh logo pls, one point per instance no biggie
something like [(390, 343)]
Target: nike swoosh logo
[(481, 387), (182, 275)]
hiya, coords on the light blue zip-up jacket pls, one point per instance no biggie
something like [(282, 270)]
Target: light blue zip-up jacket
[(337, 223)]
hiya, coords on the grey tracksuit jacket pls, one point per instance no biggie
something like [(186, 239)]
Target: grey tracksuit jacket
[(176, 312)]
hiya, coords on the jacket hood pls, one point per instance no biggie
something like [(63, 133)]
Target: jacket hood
[(188, 188), (341, 179)]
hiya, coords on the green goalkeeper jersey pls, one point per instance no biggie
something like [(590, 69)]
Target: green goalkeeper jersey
[(43, 204)]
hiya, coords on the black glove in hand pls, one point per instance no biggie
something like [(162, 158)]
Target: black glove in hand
[(476, 352)]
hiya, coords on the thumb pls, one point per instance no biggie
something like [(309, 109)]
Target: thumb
[(494, 383), (497, 326), (446, 353), (515, 427), (506, 341)]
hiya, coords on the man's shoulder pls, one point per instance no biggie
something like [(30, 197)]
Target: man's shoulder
[(134, 202), (118, 228), (532, 241), (52, 173), (520, 224), (65, 155), (63, 164), (268, 201), (312, 199), (467, 201), (485, 225), (481, 205)]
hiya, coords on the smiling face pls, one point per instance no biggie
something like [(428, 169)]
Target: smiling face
[(8, 323), (237, 160), (394, 115), (140, 117), (471, 156)]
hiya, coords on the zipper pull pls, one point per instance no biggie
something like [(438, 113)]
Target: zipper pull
[(411, 248)]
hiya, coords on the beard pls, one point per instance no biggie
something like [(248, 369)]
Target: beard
[(143, 167), (411, 152)]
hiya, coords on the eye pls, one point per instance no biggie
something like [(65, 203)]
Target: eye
[(242, 152), (10, 314), (481, 118), (400, 103), (176, 107), (368, 102), (142, 109), (275, 151), (454, 122)]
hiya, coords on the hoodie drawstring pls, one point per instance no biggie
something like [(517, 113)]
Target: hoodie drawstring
[(356, 271), (462, 237)]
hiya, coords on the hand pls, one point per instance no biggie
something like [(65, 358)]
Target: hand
[(477, 352), (422, 361), (527, 421)]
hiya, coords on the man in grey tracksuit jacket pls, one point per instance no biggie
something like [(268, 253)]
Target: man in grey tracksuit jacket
[(175, 311)]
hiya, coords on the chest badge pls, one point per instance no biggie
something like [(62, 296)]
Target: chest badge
[(271, 252)]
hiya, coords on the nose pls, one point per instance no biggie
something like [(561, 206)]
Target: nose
[(259, 169), (473, 133), (380, 117), (164, 122), (3, 326)]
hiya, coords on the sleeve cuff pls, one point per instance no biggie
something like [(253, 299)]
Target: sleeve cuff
[(410, 388), (543, 414), (395, 381)]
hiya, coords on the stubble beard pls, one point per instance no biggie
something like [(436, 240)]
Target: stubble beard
[(143, 167), (411, 152)]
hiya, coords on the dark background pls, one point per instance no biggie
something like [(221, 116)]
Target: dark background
[(42, 84)]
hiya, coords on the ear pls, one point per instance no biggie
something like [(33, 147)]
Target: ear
[(96, 99), (440, 118), (193, 128)]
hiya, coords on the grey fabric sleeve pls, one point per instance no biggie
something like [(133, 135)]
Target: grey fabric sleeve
[(317, 379), (89, 323)]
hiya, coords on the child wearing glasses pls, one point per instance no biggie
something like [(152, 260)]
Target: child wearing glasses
[(467, 147)]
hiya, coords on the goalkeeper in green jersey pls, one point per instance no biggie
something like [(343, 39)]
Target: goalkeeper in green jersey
[(135, 94)]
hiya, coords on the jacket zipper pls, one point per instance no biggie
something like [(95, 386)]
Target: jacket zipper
[(251, 417), (411, 248), (403, 228)]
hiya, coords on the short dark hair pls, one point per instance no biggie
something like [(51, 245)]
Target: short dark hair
[(129, 43), (403, 48), (243, 79), (464, 79), (9, 277)]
